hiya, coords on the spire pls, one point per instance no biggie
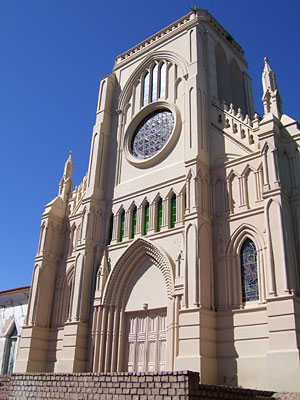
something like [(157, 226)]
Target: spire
[(271, 97), (66, 184)]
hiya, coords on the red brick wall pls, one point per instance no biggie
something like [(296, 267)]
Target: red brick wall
[(182, 385)]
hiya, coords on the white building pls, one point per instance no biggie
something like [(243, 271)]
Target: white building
[(180, 248), (13, 308)]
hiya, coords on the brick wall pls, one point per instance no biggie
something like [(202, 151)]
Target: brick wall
[(182, 385)]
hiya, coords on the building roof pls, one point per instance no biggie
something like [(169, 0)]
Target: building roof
[(18, 289)]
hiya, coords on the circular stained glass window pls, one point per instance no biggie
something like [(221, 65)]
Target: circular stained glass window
[(152, 134)]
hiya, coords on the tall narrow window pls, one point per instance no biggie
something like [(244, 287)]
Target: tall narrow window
[(111, 224), (173, 211), (146, 219), (154, 83), (122, 226), (146, 89), (133, 223), (159, 215), (163, 75), (10, 352), (249, 271)]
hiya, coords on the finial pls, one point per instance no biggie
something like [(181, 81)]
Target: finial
[(271, 98)]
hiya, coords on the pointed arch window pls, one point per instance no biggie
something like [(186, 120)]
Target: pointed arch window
[(163, 78), (133, 222), (159, 215), (10, 353), (154, 83), (146, 218), (122, 226), (146, 89), (249, 277), (111, 225), (173, 211)]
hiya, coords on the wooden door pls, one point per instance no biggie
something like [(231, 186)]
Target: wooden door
[(146, 341)]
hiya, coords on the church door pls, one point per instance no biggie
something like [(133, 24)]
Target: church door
[(146, 341)]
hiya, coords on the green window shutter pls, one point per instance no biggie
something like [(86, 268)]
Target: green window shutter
[(111, 224), (173, 211), (185, 200), (159, 215), (122, 226), (146, 219), (133, 223)]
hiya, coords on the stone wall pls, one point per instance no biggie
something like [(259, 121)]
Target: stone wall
[(182, 385)]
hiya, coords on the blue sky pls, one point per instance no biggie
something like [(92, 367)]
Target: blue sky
[(53, 54)]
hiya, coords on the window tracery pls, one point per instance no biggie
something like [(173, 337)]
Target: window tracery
[(154, 83)]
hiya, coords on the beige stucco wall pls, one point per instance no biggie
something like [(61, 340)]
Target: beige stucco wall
[(234, 175)]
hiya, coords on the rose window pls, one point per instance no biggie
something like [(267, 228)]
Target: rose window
[(152, 134)]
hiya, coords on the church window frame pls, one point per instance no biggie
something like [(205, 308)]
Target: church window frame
[(133, 222), (173, 210), (249, 271), (110, 228), (162, 80), (146, 218), (146, 82), (122, 225), (159, 214), (155, 107)]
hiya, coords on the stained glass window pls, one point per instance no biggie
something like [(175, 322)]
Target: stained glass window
[(122, 226), (159, 215), (173, 211), (146, 219), (152, 134), (133, 223), (154, 84), (249, 271)]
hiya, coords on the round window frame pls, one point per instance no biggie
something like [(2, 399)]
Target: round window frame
[(130, 131)]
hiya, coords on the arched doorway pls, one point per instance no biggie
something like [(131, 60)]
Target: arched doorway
[(130, 330), (146, 314)]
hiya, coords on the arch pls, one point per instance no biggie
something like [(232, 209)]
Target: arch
[(139, 251), (249, 276), (222, 74), (155, 56), (233, 252), (237, 85), (238, 236), (65, 308)]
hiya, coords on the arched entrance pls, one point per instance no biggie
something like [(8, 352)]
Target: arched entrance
[(130, 327)]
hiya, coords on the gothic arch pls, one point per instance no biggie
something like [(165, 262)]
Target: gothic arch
[(237, 239), (157, 55), (234, 266), (129, 262)]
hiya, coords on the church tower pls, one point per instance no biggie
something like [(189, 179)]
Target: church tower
[(180, 248)]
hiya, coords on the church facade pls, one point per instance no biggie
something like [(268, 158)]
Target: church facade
[(180, 249)]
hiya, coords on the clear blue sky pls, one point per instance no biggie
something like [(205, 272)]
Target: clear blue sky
[(53, 53)]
